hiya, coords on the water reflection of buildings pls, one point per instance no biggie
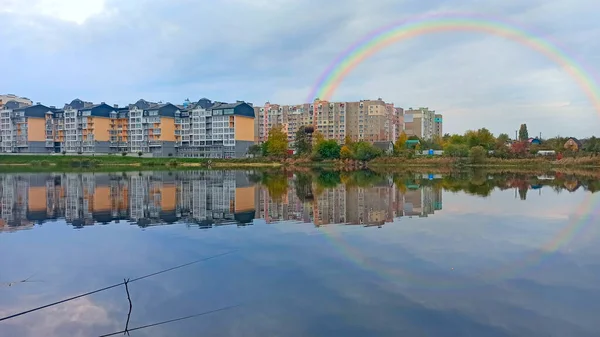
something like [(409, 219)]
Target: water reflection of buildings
[(201, 197), (374, 205)]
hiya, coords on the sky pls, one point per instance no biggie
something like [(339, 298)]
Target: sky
[(118, 51)]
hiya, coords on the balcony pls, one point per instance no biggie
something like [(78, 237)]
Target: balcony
[(155, 143)]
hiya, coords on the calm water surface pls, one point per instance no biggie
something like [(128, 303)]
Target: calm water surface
[(320, 254)]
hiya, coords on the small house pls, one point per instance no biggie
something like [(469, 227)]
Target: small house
[(573, 144)]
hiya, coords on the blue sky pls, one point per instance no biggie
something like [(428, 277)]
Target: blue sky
[(257, 50)]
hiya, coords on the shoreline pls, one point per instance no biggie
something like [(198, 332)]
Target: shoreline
[(46, 162)]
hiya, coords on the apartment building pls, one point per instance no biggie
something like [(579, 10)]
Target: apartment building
[(367, 120), (26, 129), (151, 128), (217, 130), (423, 123), (205, 129), (438, 129), (4, 99), (83, 127)]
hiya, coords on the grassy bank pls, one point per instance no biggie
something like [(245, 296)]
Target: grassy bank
[(117, 162), (53, 162), (542, 163)]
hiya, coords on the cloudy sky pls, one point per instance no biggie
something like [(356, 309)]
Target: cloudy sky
[(275, 50)]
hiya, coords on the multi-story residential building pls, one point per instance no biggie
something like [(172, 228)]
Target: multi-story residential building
[(368, 120), (438, 129), (422, 122), (27, 129), (204, 129), (218, 130), (152, 128), (4, 99), (83, 127)]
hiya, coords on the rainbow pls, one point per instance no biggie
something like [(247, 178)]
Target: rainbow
[(385, 36)]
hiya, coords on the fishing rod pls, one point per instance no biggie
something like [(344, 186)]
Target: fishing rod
[(171, 320), (113, 286)]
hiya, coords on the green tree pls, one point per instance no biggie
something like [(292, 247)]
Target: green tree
[(477, 154), (523, 134), (302, 143), (327, 149), (365, 151), (503, 138), (456, 150), (276, 144), (400, 144)]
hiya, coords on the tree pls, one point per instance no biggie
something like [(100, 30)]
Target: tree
[(255, 150), (519, 149), (346, 153), (523, 134), (400, 144), (302, 143), (456, 150), (140, 154), (328, 149), (348, 141), (503, 138), (276, 144), (477, 154), (365, 151)]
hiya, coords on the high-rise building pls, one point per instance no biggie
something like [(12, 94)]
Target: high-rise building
[(438, 129), (365, 120), (422, 122)]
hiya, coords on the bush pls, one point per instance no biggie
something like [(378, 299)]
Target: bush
[(170, 155), (124, 154), (35, 163), (79, 152), (477, 154), (45, 163), (140, 154), (172, 163), (365, 151), (455, 150)]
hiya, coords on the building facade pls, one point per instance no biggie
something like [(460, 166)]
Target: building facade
[(220, 130), (203, 129), (27, 129), (365, 120), (16, 99), (423, 123)]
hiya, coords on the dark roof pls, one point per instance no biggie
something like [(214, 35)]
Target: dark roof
[(13, 105), (36, 111), (143, 104), (100, 110), (244, 217), (239, 108), (204, 103), (167, 110), (78, 104)]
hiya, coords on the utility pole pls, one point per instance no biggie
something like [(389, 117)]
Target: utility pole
[(516, 138)]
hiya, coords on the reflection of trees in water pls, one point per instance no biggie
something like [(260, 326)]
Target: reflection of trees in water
[(303, 185), (475, 182)]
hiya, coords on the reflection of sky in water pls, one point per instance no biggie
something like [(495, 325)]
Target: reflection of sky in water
[(296, 281)]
